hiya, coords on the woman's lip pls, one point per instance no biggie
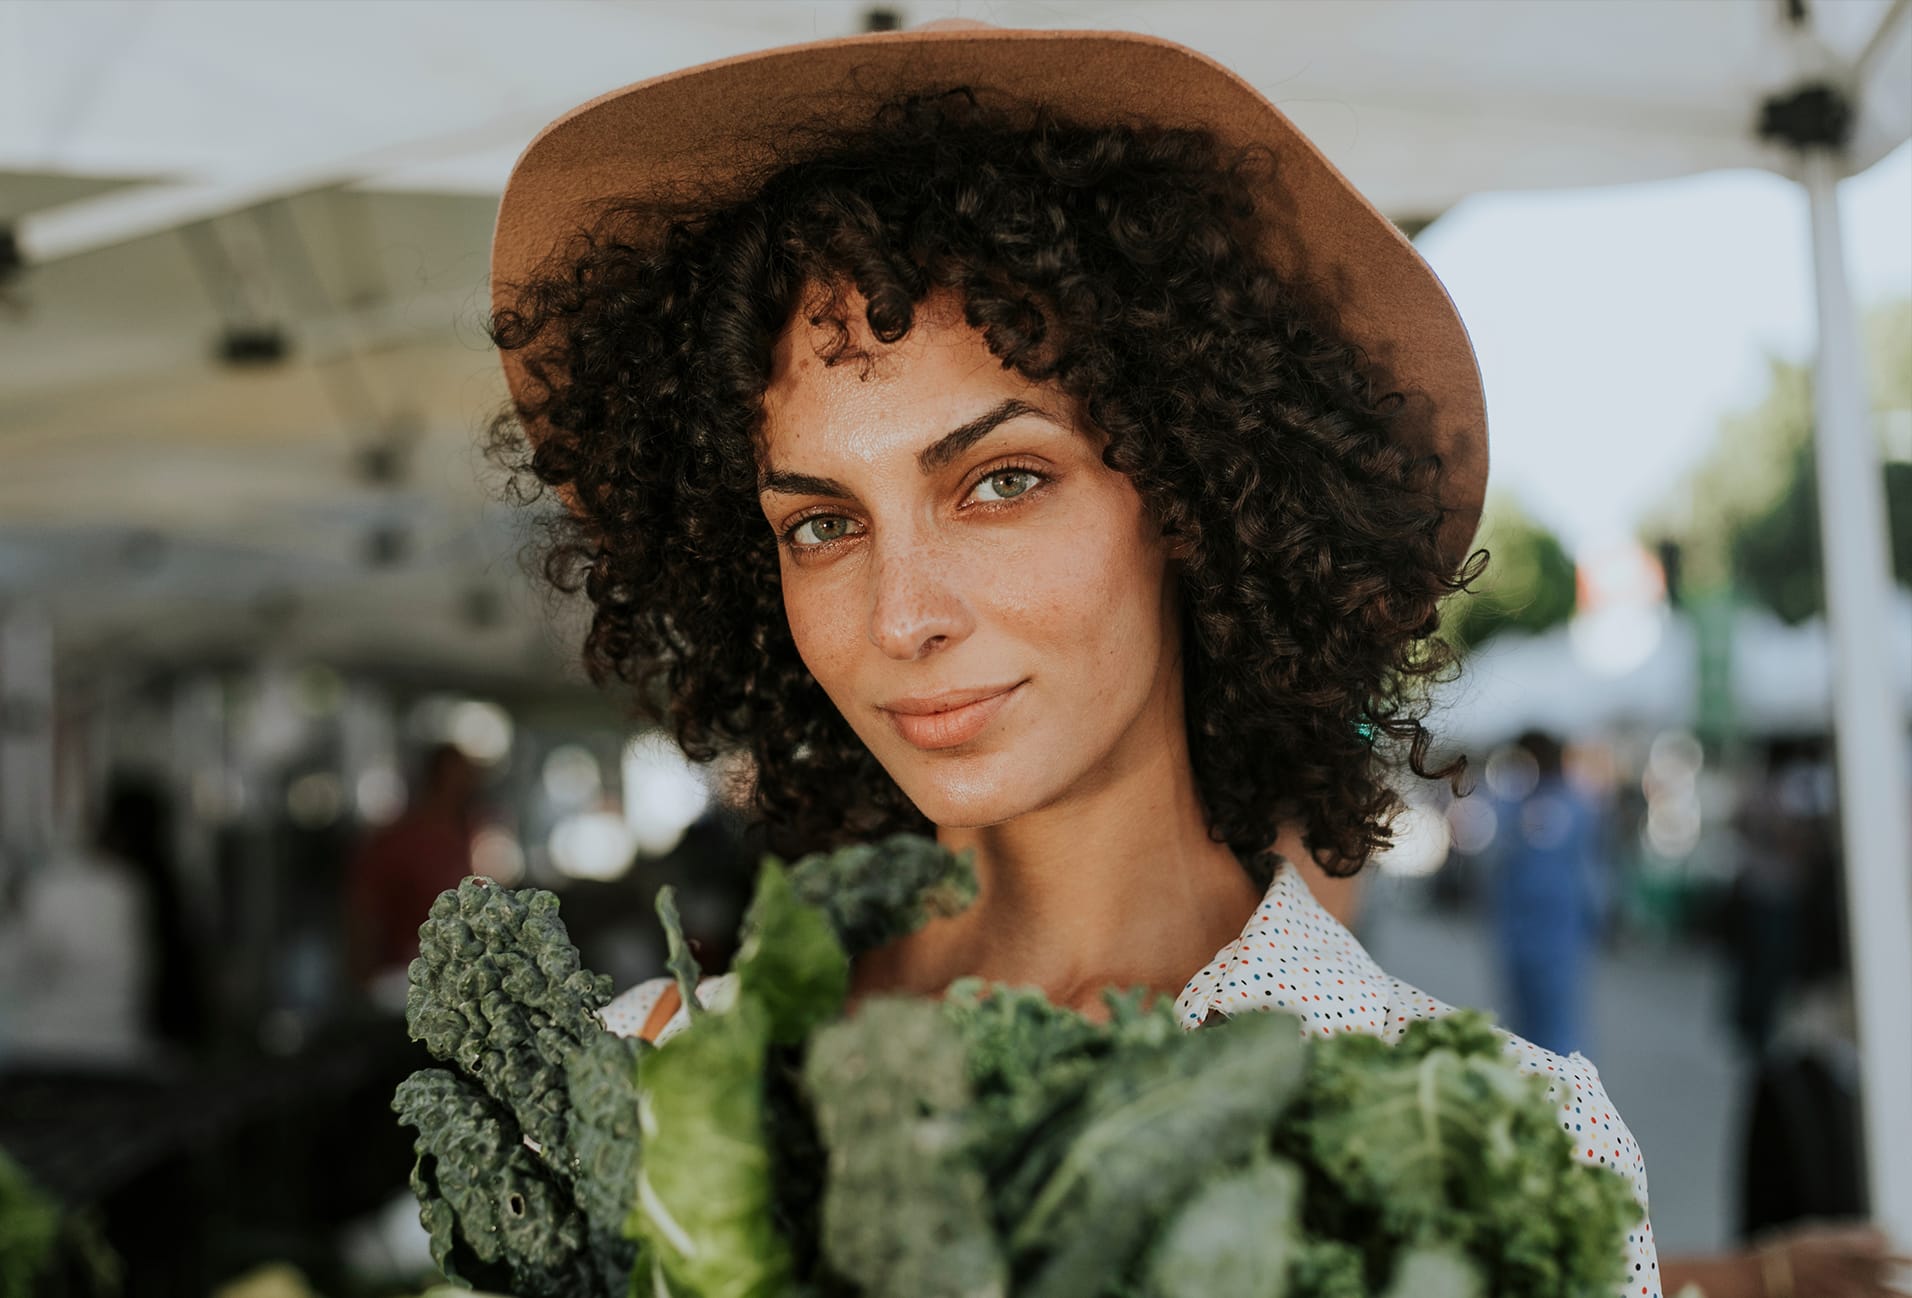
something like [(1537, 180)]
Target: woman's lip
[(955, 726)]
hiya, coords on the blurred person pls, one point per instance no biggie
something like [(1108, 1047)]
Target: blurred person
[(1801, 1154), (402, 867), (100, 960), (1779, 927), (1546, 901)]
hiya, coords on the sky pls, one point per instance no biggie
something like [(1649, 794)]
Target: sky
[(1616, 326)]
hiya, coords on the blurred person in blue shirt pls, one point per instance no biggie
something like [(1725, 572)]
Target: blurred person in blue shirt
[(1547, 896)]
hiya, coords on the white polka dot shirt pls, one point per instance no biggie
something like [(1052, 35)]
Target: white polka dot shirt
[(1296, 957)]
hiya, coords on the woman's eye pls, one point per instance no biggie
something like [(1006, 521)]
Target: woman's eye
[(820, 530), (1007, 484)]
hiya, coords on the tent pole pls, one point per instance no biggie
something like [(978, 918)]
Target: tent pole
[(1881, 36), (1869, 717)]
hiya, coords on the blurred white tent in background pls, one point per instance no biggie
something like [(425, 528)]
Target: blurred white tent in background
[(1781, 681), (314, 183)]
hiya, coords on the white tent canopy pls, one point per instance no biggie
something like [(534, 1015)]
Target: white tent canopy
[(1420, 103), (1781, 681), (131, 133)]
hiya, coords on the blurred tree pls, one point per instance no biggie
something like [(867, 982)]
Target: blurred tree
[(1748, 514), (1528, 585)]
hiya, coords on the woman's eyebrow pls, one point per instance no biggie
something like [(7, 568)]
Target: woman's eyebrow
[(801, 484), (937, 455)]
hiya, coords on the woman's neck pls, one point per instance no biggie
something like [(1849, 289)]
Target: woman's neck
[(1116, 884)]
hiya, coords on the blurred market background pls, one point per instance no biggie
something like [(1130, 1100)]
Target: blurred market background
[(272, 663)]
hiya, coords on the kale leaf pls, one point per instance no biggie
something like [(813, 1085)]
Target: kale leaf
[(526, 1168), (906, 1210), (1439, 1141), (874, 893), (496, 1217), (1128, 1163), (497, 990)]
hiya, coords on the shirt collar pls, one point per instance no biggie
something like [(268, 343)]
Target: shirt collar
[(1291, 927)]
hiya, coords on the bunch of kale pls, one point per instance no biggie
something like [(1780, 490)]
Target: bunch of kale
[(989, 1143), (527, 1146), (524, 1144)]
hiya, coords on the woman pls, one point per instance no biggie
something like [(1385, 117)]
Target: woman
[(999, 455)]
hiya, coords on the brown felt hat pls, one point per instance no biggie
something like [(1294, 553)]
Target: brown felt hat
[(707, 125)]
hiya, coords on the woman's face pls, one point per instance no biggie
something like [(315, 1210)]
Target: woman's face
[(985, 601)]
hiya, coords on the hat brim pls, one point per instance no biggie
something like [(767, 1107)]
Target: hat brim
[(706, 125)]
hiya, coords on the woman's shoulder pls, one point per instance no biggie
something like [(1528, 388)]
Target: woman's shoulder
[(1580, 1098), (1297, 957), (628, 1012), (1600, 1137)]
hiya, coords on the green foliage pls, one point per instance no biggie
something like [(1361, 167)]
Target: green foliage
[(29, 1228), (1528, 585), (524, 1173), (874, 893), (1434, 1273), (1749, 513), (1238, 1234), (1438, 1141), (38, 1237), (1329, 1268), (496, 989), (983, 1145), (1028, 1062), (600, 1078), (1127, 1163), (1776, 555), (679, 960), (907, 1210), (789, 959), (496, 1218), (704, 1194)]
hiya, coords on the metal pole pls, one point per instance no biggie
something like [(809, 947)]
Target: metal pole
[(1869, 717)]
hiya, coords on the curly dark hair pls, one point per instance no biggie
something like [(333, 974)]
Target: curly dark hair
[(1116, 261)]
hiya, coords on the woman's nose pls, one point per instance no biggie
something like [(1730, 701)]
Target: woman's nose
[(917, 604)]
